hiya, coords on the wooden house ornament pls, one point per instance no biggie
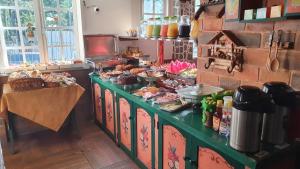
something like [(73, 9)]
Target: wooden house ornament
[(225, 51)]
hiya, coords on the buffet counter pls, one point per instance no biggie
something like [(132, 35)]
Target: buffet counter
[(153, 137)]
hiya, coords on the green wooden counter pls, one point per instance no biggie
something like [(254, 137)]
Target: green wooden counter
[(186, 122)]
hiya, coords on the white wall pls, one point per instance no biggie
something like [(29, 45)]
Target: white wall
[(115, 16)]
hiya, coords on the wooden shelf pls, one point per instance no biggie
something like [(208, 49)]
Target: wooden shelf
[(127, 38), (264, 20)]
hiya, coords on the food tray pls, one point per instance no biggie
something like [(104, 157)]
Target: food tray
[(175, 109), (195, 93)]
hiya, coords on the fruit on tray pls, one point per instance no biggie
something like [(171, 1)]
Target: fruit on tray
[(179, 66)]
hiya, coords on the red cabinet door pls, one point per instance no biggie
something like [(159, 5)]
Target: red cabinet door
[(125, 126), (143, 130), (109, 111), (209, 159), (174, 145), (98, 103)]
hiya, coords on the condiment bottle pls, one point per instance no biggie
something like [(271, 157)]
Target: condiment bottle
[(156, 28), (218, 115), (184, 26), (149, 28), (223, 125), (164, 27), (173, 27), (226, 118)]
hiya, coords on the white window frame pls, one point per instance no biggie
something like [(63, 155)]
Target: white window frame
[(165, 9), (41, 35)]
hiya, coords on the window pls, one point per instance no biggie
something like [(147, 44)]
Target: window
[(36, 31), (153, 9)]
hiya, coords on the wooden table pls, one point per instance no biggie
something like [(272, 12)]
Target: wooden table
[(48, 107)]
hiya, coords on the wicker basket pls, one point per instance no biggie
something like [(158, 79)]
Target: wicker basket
[(52, 84), (26, 84)]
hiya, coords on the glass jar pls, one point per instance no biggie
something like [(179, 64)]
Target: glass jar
[(142, 28), (184, 26), (156, 28), (149, 28), (173, 27), (164, 27)]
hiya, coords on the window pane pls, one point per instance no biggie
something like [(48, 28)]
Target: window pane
[(65, 3), (53, 37), (25, 4), (12, 38), (54, 54), (51, 18), (69, 53), (66, 18), (7, 2), (14, 56), (29, 40), (32, 56), (148, 6), (50, 3), (27, 16), (9, 18), (159, 6), (68, 37)]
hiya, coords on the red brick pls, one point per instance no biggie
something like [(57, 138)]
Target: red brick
[(293, 25), (205, 37), (295, 80), (222, 72), (249, 73), (297, 41), (268, 26), (287, 36), (251, 40), (267, 76), (208, 78), (234, 26), (229, 83), (212, 24), (212, 11), (251, 83), (257, 57), (289, 59), (201, 62)]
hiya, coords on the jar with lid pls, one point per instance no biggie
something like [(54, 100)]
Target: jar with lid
[(156, 28), (164, 27), (218, 115), (173, 27), (149, 28), (184, 26), (142, 29)]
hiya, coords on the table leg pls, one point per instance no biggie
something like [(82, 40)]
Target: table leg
[(74, 123), (10, 133)]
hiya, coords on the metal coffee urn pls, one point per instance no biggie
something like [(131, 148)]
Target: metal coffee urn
[(247, 113), (275, 124)]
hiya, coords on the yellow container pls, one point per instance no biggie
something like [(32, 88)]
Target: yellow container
[(173, 28)]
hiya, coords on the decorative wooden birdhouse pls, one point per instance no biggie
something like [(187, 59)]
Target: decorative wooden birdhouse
[(225, 51)]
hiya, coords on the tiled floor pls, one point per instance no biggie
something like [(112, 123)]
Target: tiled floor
[(49, 150)]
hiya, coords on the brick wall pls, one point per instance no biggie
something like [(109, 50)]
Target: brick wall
[(254, 36)]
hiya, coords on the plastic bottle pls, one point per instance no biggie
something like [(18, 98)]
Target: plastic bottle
[(226, 117)]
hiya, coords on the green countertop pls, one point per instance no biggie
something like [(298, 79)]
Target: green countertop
[(190, 123)]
